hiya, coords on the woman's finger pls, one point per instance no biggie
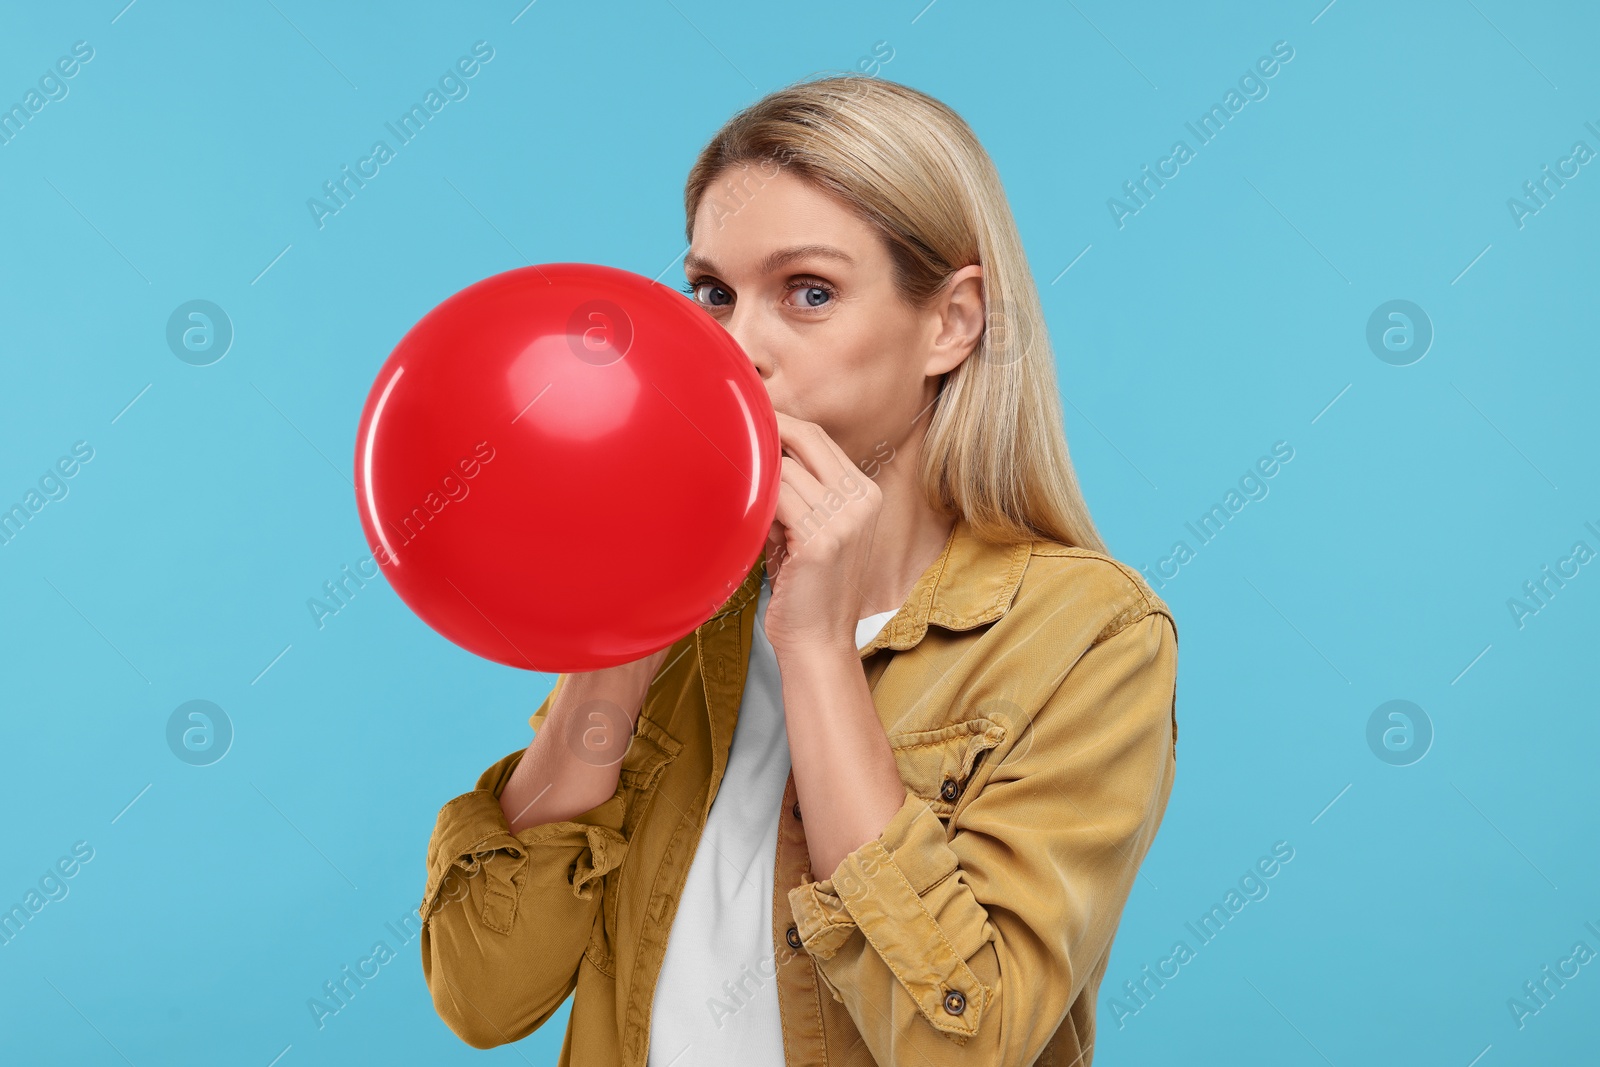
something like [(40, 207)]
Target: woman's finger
[(793, 513), (811, 492), (818, 453)]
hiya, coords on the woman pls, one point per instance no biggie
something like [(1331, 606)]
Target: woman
[(934, 660)]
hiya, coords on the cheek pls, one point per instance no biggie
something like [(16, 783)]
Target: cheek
[(854, 396), (854, 369)]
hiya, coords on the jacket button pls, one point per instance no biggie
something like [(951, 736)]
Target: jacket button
[(954, 1002), (793, 937), (797, 809), (949, 789)]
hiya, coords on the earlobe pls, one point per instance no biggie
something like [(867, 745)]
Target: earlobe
[(961, 320)]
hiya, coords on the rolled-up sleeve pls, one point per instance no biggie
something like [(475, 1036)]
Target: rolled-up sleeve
[(507, 916), (983, 935)]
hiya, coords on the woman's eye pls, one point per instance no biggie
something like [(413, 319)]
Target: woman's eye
[(812, 296), (693, 289)]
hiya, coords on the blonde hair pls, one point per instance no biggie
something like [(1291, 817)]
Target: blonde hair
[(996, 448)]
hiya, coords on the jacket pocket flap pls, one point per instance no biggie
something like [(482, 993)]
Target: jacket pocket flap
[(650, 749), (936, 764)]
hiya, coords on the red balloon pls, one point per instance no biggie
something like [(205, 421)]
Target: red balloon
[(566, 467)]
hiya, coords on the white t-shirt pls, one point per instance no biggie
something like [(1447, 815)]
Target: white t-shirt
[(716, 1004)]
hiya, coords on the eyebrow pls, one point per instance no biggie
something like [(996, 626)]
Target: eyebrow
[(780, 258)]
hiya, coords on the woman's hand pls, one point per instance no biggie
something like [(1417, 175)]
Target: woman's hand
[(820, 544)]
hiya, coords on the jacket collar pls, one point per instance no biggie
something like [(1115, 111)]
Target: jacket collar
[(971, 583)]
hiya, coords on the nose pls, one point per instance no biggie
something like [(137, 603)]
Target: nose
[(741, 328)]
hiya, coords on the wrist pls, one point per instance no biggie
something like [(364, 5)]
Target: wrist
[(814, 655)]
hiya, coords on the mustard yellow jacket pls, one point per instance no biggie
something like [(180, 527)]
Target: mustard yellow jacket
[(1029, 694)]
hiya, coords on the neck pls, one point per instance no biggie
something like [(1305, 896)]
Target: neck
[(908, 538)]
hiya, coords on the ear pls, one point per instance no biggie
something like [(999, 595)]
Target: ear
[(958, 316)]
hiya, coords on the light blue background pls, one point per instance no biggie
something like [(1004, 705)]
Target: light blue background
[(1228, 314)]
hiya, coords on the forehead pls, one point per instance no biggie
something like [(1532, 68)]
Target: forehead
[(749, 213)]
